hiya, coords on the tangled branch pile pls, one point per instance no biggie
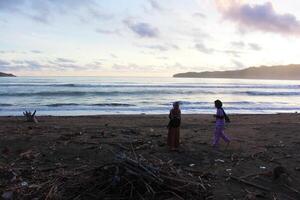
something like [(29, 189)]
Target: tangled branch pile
[(127, 178)]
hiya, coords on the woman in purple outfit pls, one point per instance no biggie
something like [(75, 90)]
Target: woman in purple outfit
[(221, 118)]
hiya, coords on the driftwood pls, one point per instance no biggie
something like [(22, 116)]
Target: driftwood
[(128, 177), (30, 117), (250, 183)]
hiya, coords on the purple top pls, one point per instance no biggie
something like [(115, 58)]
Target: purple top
[(220, 122)]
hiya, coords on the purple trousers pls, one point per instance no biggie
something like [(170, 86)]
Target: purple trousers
[(219, 133)]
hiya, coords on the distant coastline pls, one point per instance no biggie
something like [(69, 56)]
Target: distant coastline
[(279, 72), (6, 75)]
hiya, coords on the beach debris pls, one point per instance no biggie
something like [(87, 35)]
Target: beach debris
[(192, 165), (200, 142), (130, 132), (24, 184), (7, 195), (128, 177), (29, 154), (30, 117), (155, 135), (229, 171), (5, 151), (278, 171), (249, 183), (254, 195), (161, 143), (122, 146), (234, 157), (143, 146), (262, 167), (273, 159), (219, 160), (280, 145), (7, 175), (93, 147), (250, 196)]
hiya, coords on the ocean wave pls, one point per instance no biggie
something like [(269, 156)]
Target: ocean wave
[(211, 102), (62, 104), (124, 93), (200, 86), (5, 104), (100, 93), (96, 104), (151, 109), (261, 93), (37, 85)]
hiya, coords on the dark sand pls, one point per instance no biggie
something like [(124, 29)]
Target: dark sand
[(260, 143)]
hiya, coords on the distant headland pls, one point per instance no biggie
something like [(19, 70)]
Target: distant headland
[(279, 72), (6, 75)]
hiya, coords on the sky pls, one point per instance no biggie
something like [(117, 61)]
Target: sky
[(145, 37)]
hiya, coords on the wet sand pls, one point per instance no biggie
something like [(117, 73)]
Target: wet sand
[(259, 144)]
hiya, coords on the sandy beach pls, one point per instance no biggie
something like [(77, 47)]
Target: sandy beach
[(260, 143)]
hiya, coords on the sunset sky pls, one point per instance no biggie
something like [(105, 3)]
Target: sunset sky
[(145, 37)]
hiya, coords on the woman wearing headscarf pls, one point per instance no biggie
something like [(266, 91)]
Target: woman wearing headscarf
[(174, 126)]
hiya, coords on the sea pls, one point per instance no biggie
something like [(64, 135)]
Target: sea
[(72, 96)]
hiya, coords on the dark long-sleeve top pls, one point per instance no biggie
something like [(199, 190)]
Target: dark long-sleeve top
[(175, 118)]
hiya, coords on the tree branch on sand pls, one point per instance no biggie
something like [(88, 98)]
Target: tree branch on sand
[(30, 117)]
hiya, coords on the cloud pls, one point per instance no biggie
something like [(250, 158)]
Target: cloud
[(237, 63), (69, 66), (35, 10), (239, 44), (156, 47), (233, 52), (150, 68), (255, 46), (260, 17), (11, 5), (242, 45), (108, 32), (10, 51), (64, 60), (43, 18), (131, 67), (142, 29), (198, 14), (43, 11), (36, 51), (93, 66), (155, 5), (18, 65), (4, 63), (142, 68), (162, 57), (161, 47), (202, 48), (196, 33), (207, 50), (17, 61), (113, 55), (33, 65)]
